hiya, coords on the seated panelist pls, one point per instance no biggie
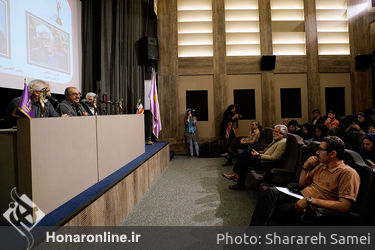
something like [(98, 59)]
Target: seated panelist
[(40, 93), (71, 106), (90, 103)]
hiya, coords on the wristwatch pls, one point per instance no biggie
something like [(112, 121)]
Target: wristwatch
[(309, 200)]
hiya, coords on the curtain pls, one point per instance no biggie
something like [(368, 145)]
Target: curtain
[(91, 22), (122, 24)]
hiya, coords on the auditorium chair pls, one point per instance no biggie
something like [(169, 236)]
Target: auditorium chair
[(362, 211), (265, 138), (353, 140), (286, 165), (281, 177)]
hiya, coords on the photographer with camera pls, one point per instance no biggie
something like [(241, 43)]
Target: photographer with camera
[(191, 132)]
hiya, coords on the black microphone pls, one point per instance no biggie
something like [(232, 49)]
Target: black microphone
[(87, 102), (52, 99)]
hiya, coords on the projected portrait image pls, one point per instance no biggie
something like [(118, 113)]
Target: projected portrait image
[(47, 46), (4, 28)]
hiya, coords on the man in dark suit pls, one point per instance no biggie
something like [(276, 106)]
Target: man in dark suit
[(317, 118), (71, 106)]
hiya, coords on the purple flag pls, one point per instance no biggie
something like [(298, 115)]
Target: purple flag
[(154, 104), (24, 107)]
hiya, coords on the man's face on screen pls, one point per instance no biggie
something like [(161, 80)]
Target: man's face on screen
[(46, 42), (74, 95)]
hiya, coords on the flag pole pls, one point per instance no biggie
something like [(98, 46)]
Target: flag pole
[(149, 140)]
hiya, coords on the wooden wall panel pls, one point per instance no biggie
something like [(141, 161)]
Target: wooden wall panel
[(243, 64), (195, 65), (218, 18), (200, 82), (290, 64), (359, 37), (334, 64), (112, 207), (312, 64), (265, 27), (168, 67), (312, 58), (266, 48)]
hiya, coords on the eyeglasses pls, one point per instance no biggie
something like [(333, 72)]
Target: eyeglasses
[(322, 149), (44, 89), (75, 94)]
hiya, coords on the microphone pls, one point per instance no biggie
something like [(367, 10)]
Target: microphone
[(87, 102), (52, 99)]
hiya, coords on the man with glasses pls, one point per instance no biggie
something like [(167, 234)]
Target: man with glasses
[(326, 181), (71, 106), (39, 91), (273, 152)]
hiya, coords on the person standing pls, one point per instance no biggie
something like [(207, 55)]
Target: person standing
[(191, 132), (227, 128)]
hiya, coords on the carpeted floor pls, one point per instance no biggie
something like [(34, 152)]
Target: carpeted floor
[(192, 192)]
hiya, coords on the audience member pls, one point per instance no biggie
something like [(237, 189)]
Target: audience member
[(253, 137), (320, 132), (273, 152), (191, 132), (227, 128), (294, 128), (71, 105), (361, 125), (317, 119), (308, 132), (331, 121), (285, 121), (368, 150), (331, 132), (327, 183), (38, 91)]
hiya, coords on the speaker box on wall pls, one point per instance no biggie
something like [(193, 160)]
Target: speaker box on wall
[(362, 62), (147, 50), (268, 63)]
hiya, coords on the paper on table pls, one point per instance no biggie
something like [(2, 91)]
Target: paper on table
[(286, 191)]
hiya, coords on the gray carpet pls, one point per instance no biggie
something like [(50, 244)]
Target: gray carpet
[(192, 192)]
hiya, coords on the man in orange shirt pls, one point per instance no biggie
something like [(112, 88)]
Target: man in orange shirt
[(327, 182)]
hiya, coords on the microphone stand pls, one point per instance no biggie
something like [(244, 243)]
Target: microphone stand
[(149, 141)]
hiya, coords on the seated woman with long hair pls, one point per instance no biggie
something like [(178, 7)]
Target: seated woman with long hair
[(308, 132), (320, 132), (368, 151)]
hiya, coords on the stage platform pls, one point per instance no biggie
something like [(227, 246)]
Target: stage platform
[(109, 201)]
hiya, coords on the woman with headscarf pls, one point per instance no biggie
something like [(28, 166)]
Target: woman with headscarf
[(191, 132)]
